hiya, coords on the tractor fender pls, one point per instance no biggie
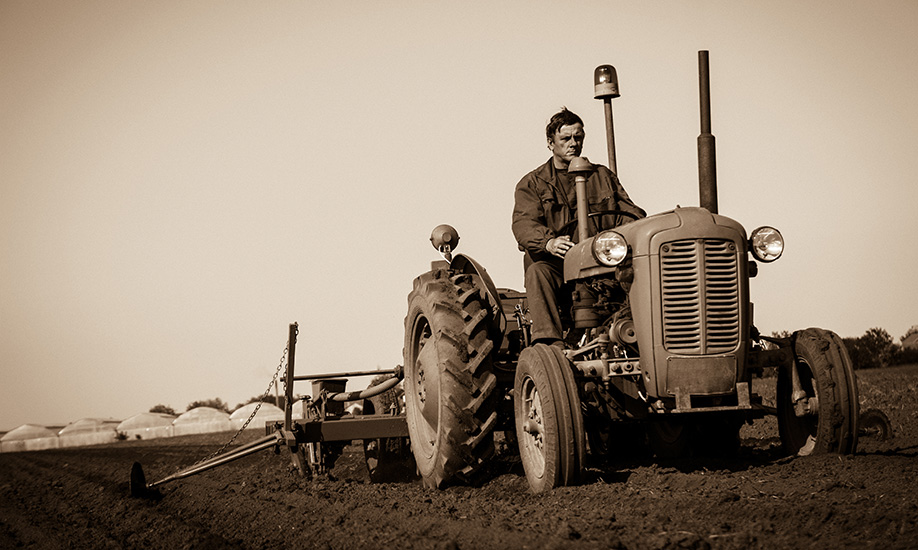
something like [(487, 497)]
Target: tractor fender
[(465, 264)]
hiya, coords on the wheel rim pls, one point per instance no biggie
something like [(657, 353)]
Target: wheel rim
[(533, 429), (804, 429), (424, 374), (874, 423)]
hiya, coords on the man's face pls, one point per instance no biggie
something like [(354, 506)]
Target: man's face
[(566, 144)]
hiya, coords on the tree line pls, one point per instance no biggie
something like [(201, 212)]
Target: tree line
[(215, 403)]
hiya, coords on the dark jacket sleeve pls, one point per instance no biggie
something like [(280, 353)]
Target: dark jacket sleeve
[(529, 224)]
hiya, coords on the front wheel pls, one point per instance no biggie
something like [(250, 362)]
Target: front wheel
[(817, 398), (549, 427)]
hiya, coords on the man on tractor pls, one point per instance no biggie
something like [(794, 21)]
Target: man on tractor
[(544, 216)]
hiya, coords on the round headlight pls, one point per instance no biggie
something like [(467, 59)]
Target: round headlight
[(610, 248), (766, 244)]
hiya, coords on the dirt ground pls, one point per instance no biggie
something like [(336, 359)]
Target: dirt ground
[(80, 498)]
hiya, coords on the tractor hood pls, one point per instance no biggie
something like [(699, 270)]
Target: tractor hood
[(579, 263)]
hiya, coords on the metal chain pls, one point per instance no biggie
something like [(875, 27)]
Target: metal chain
[(258, 406)]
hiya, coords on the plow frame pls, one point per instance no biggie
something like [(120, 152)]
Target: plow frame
[(313, 441)]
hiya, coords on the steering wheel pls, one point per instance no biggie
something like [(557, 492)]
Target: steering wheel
[(625, 213)]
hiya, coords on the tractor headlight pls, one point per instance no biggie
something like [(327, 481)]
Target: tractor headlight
[(766, 244), (610, 248)]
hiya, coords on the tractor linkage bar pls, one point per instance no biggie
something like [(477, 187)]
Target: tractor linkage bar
[(140, 487), (343, 374)]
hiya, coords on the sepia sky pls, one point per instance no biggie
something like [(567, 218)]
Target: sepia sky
[(179, 181)]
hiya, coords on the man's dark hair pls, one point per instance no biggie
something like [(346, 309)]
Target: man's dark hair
[(559, 119)]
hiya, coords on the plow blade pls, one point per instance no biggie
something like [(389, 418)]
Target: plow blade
[(140, 488)]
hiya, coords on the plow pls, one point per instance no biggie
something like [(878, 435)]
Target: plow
[(658, 355), (322, 427)]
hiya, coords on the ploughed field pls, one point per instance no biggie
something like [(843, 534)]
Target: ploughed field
[(79, 498)]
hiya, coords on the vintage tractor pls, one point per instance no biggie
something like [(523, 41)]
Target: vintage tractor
[(661, 347), (661, 350)]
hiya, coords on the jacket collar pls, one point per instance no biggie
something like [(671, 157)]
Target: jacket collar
[(546, 173)]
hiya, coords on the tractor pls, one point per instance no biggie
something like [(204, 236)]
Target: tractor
[(659, 354), (660, 351)]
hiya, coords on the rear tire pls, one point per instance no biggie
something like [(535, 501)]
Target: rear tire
[(450, 397), (828, 381), (717, 437), (551, 442), (615, 440), (669, 438), (388, 459)]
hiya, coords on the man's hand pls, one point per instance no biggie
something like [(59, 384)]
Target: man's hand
[(559, 245)]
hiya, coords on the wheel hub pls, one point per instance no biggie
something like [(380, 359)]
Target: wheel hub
[(428, 387)]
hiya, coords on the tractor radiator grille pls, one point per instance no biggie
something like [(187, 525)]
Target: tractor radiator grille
[(701, 312)]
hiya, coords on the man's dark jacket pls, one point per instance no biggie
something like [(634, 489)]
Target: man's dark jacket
[(543, 205)]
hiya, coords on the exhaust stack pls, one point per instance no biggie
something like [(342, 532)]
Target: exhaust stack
[(707, 166)]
